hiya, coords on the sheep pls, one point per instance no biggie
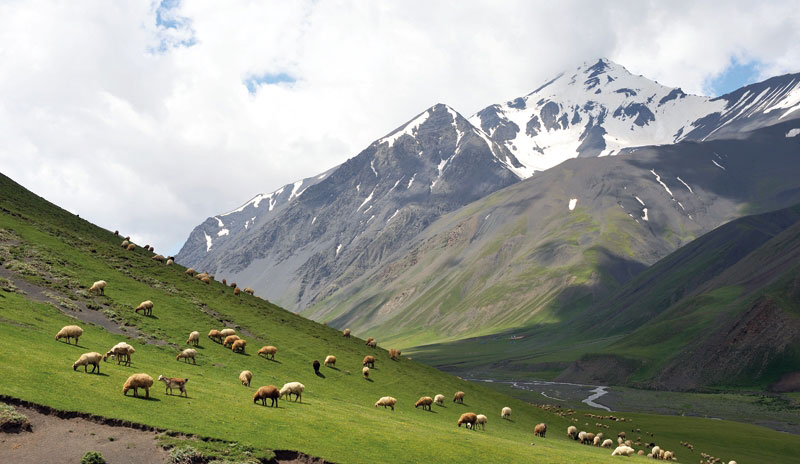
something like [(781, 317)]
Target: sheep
[(330, 361), (365, 372), (92, 358), (172, 382), (621, 435), (151, 249), (233, 285), (137, 381), (468, 419), (268, 391), (505, 413), (623, 451), (125, 244), (458, 397), (190, 272), (245, 377), (206, 280), (369, 340), (99, 286), (122, 352), (732, 462), (146, 307), (369, 361), (159, 258), (226, 332), (372, 344), (655, 450), (249, 291), (607, 443), (170, 262), (425, 402), (69, 331), (640, 452), (215, 335), (225, 282), (439, 399), (238, 346), (201, 275), (236, 291), (188, 353), (194, 338), (128, 238), (116, 233), (316, 366), (131, 247), (581, 436), (540, 430), (147, 248), (346, 333), (268, 352), (572, 432), (481, 420), (668, 455), (229, 340), (588, 438), (394, 354), (293, 388), (386, 401)]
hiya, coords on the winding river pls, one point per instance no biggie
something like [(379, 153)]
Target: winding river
[(557, 390)]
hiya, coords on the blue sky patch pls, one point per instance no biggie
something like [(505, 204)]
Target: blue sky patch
[(736, 75), (254, 82), (174, 30)]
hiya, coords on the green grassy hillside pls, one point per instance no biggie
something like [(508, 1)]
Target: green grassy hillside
[(49, 259)]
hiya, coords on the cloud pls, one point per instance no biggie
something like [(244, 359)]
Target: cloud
[(148, 118)]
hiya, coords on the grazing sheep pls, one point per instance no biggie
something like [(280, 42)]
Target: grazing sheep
[(131, 247), (458, 397), (540, 430), (469, 419), (572, 432), (146, 307), (122, 352), (640, 452), (249, 291), (99, 286), (268, 352), (188, 353), (621, 435), (439, 399), (316, 366), (125, 244), (215, 335), (190, 272), (159, 258), (386, 401), (668, 455), (206, 280), (623, 451), (394, 354), (596, 441), (245, 377), (369, 361), (229, 340), (227, 332), (233, 285), (172, 382), (505, 413), (201, 275), (425, 402), (372, 344), (330, 361), (238, 346), (369, 340), (128, 238), (588, 438), (151, 249), (147, 248), (137, 381), (92, 358), (170, 262), (346, 333), (225, 282), (655, 450), (236, 291), (581, 436), (607, 443), (365, 372), (69, 331), (481, 420), (293, 388), (268, 391), (116, 233), (194, 338)]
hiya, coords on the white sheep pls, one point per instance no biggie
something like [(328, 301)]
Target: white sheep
[(365, 372), (187, 354), (69, 331), (623, 451), (194, 338), (386, 401), (655, 450), (137, 381), (607, 443), (330, 361), (439, 399), (146, 307), (227, 332), (99, 287), (505, 413), (92, 358), (481, 421), (245, 377), (122, 352), (293, 388), (170, 262)]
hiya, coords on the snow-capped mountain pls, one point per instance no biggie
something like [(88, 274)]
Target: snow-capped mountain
[(600, 109)]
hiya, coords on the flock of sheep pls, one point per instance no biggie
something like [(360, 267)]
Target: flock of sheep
[(227, 337)]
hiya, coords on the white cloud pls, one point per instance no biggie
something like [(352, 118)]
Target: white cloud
[(112, 116)]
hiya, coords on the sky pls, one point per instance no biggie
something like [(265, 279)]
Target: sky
[(150, 117)]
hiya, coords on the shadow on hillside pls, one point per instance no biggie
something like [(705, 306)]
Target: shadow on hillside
[(75, 345), (140, 397), (101, 374), (334, 368), (320, 374), (368, 379)]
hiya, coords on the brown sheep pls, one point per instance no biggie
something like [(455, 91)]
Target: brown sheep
[(588, 439), (233, 285), (146, 307), (540, 430), (316, 366), (346, 333), (469, 419), (330, 361), (137, 381), (190, 272), (372, 344), (369, 361), (131, 247), (206, 280), (369, 340), (229, 340), (268, 352), (215, 335), (394, 354), (224, 282), (236, 291), (159, 258), (238, 346), (458, 397), (425, 402), (268, 391), (116, 233)]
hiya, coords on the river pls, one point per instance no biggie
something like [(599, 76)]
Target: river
[(559, 391)]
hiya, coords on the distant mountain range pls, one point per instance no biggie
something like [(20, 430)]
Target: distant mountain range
[(450, 227)]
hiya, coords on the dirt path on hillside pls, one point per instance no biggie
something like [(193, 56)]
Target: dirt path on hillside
[(66, 440)]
